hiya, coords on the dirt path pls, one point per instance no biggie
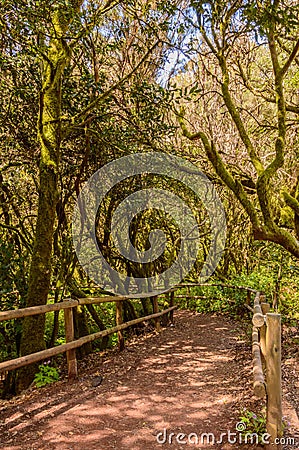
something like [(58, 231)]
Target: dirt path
[(188, 379)]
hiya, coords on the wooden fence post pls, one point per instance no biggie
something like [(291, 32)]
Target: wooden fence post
[(170, 305), (119, 321), (265, 309), (69, 337), (188, 297), (156, 310), (273, 377), (165, 318)]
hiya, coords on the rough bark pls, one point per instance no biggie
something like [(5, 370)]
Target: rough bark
[(54, 60), (81, 329), (263, 216)]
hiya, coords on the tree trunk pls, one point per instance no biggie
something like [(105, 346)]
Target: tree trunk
[(100, 324), (81, 329), (56, 56), (40, 269), (80, 318), (55, 330)]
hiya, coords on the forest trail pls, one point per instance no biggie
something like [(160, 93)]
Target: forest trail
[(186, 379)]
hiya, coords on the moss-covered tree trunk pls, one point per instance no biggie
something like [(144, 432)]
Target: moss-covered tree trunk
[(266, 214), (54, 60)]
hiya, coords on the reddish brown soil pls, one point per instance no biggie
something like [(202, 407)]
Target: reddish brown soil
[(190, 378)]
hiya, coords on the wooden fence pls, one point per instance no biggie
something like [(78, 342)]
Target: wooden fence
[(266, 341), (266, 354), (71, 343), (266, 351)]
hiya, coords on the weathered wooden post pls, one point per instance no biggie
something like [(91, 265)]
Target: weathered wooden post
[(69, 336), (156, 310), (188, 297), (273, 368), (171, 303), (265, 309), (119, 321), (165, 318)]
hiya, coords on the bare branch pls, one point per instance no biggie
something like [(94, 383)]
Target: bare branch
[(106, 94), (291, 58)]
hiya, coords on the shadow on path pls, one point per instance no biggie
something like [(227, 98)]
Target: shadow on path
[(180, 381)]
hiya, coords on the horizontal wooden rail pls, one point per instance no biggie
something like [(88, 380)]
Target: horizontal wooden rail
[(38, 356), (249, 308), (203, 297), (34, 310), (119, 298), (222, 285), (259, 384), (258, 318), (70, 303), (42, 309)]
